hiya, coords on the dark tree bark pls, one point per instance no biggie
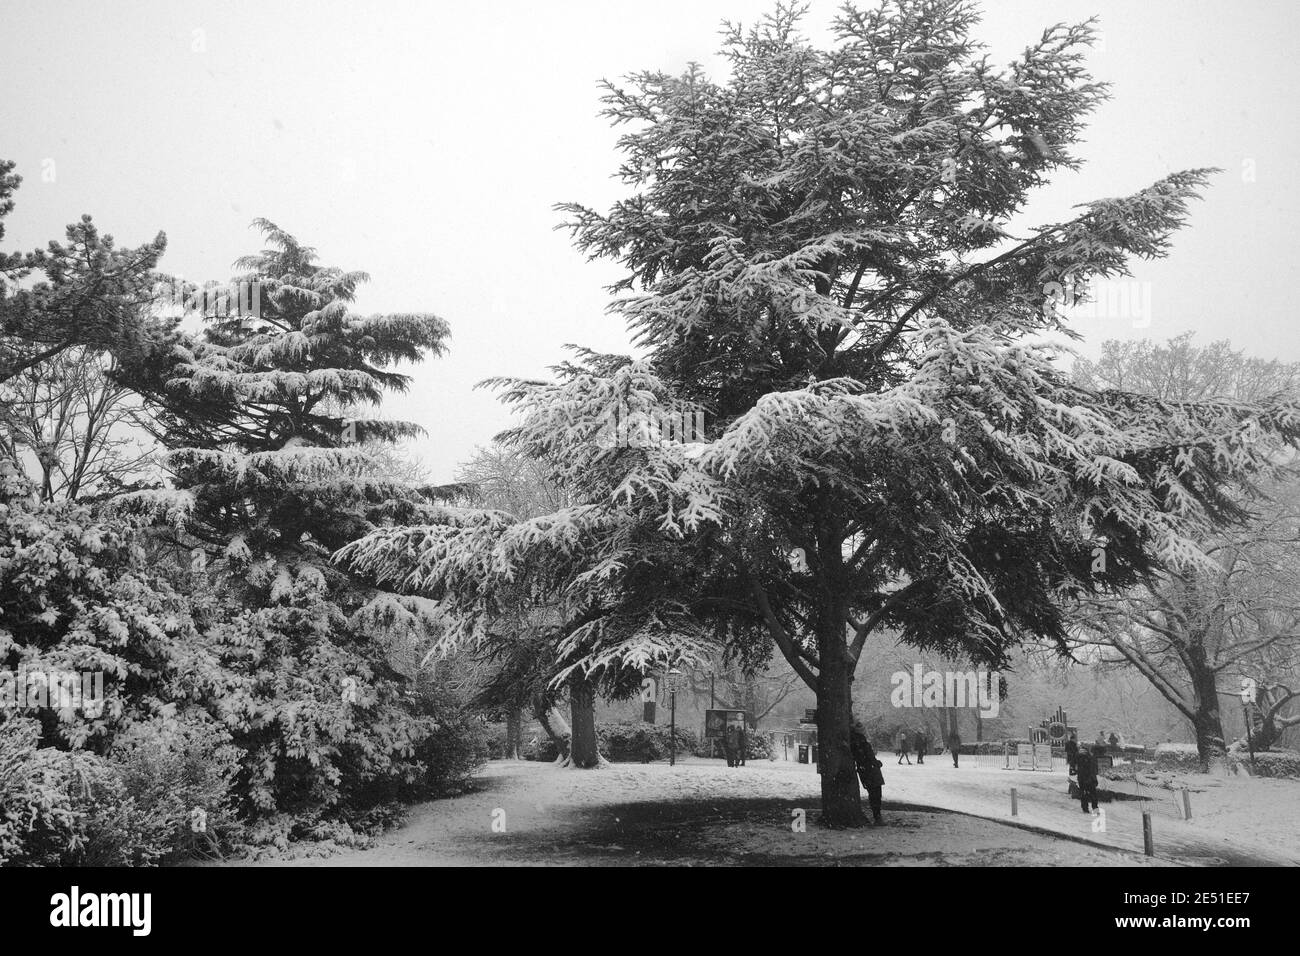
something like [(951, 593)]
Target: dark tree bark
[(514, 733), (542, 711), (582, 701), (841, 797), (1207, 719), (1273, 699)]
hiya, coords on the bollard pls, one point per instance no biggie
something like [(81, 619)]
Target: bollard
[(1015, 812), (1187, 804), (1148, 838)]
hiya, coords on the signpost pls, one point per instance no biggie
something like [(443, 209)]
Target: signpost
[(1042, 756), (1033, 756), (1024, 756), (717, 720)]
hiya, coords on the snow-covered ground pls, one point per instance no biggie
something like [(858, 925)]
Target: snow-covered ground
[(702, 813), (699, 812), (1249, 821)]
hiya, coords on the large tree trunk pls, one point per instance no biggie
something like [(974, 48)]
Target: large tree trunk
[(841, 798), (514, 733), (542, 711), (1272, 723), (1265, 734), (582, 702), (1207, 722)]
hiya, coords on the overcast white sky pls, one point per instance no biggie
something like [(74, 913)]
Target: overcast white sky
[(426, 143)]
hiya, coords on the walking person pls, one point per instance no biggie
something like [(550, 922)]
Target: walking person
[(1072, 753), (869, 772), (1087, 774), (954, 744), (922, 745), (902, 748)]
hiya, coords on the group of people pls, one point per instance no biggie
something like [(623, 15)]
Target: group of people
[(733, 745), (922, 742)]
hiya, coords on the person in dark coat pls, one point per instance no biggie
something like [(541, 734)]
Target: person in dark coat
[(740, 746), (729, 744), (1114, 744), (954, 744), (1072, 752), (1086, 765), (902, 748), (869, 772), (921, 746)]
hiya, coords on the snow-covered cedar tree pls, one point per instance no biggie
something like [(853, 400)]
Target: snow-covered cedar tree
[(489, 591), (265, 416), (518, 651), (820, 258)]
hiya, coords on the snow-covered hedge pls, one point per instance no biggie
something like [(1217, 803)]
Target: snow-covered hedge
[(641, 742), (1269, 763), (625, 742), (162, 792), (1177, 757)]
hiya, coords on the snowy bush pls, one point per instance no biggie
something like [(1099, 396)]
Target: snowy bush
[(758, 745), (80, 595), (641, 742), (39, 819), (1177, 757), (544, 749), (454, 748), (1269, 763), (495, 741), (135, 806), (321, 726), (163, 793)]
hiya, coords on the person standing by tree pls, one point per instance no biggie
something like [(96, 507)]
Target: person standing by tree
[(1087, 769), (869, 768), (954, 744)]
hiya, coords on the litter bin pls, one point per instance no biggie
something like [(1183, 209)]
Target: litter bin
[(803, 753)]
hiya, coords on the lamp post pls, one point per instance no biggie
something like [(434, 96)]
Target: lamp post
[(1248, 698), (713, 703), (1250, 742), (673, 678)]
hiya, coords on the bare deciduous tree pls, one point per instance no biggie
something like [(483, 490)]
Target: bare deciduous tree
[(73, 429)]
